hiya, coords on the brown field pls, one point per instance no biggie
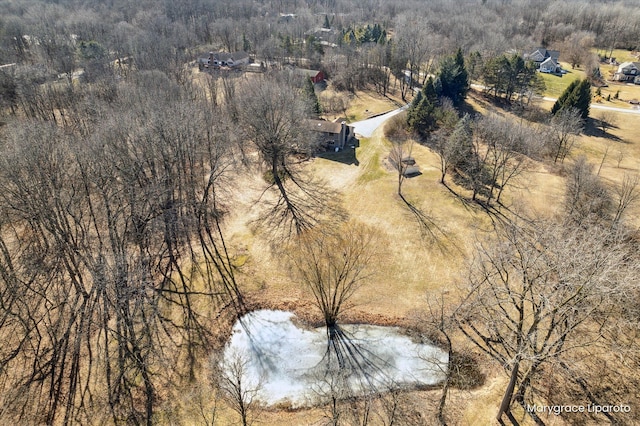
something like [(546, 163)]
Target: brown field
[(423, 256)]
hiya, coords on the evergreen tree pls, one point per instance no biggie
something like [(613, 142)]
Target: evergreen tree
[(456, 151), (421, 116), (583, 98), (326, 22), (430, 92), (246, 46), (383, 38), (563, 97), (454, 78), (311, 94), (577, 95), (412, 112)]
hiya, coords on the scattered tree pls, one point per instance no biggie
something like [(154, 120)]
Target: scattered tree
[(333, 264), (274, 118), (587, 199), (606, 120), (400, 158), (237, 390), (564, 126)]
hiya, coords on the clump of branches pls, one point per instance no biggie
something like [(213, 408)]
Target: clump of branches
[(535, 294), (333, 263), (113, 260), (274, 117)]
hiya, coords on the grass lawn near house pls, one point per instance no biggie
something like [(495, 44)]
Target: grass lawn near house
[(365, 105), (555, 84), (620, 55), (626, 92)]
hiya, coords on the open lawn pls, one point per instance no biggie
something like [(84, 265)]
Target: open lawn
[(555, 84), (426, 238)]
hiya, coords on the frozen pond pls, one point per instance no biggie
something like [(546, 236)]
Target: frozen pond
[(287, 364)]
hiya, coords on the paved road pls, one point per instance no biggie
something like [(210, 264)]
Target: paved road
[(366, 127), (632, 109)]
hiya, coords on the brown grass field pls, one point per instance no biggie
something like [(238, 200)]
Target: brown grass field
[(423, 256)]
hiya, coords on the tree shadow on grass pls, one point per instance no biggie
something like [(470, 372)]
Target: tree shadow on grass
[(594, 128), (428, 228)]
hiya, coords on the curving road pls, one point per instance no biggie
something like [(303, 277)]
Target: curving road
[(365, 128), (634, 109), (631, 110)]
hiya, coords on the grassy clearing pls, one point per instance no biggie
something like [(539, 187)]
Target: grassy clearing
[(555, 84), (423, 256), (364, 105), (620, 55)]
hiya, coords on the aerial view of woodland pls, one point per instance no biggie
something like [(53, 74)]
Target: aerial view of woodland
[(320, 212)]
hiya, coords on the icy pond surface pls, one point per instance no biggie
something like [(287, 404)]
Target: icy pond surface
[(287, 364)]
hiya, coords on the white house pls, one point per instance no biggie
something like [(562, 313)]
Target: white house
[(549, 66), (627, 71), (546, 60)]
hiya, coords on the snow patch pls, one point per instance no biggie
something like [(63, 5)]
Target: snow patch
[(286, 364)]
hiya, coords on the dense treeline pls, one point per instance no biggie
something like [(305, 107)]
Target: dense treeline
[(164, 35), (113, 263)]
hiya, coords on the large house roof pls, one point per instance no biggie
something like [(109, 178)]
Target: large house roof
[(549, 61), (544, 54), (235, 56), (625, 65), (306, 72), (325, 126)]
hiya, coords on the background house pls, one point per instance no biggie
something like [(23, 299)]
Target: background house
[(223, 59), (628, 71), (231, 60), (315, 75), (546, 60)]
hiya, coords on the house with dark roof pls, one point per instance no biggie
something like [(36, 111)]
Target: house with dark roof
[(546, 60), (628, 71), (231, 60), (332, 135), (223, 59)]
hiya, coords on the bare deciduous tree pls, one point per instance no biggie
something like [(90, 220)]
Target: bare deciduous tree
[(400, 158), (114, 241), (564, 127), (626, 195), (239, 392), (333, 264), (531, 292), (274, 116), (606, 120), (507, 145), (587, 198)]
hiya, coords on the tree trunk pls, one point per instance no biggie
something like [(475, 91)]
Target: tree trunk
[(508, 394)]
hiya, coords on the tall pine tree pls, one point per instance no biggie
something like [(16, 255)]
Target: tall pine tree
[(454, 78), (577, 95), (309, 90), (421, 115)]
